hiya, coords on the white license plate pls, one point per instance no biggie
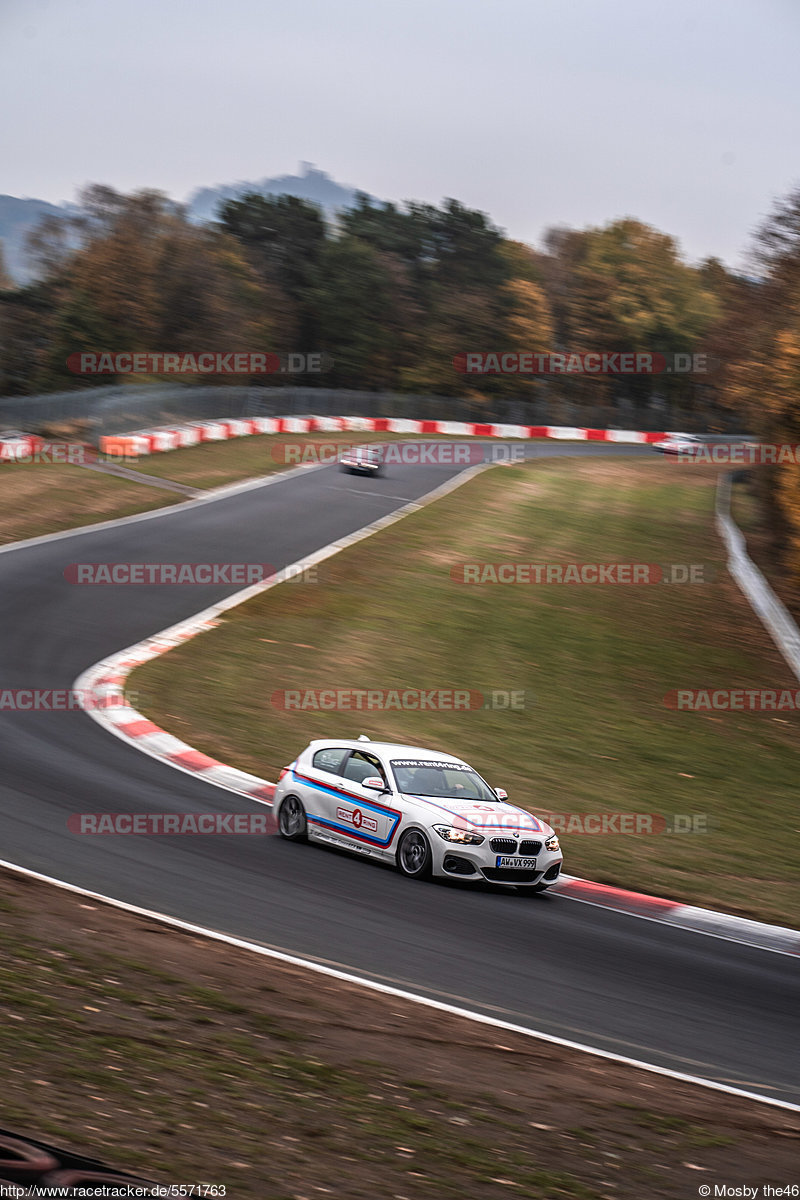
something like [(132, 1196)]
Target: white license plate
[(521, 864)]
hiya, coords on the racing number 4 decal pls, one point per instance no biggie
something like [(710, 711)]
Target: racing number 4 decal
[(355, 817)]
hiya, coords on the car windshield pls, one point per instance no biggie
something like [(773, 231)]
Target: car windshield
[(446, 780)]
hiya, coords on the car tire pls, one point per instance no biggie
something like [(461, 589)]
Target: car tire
[(414, 855), (21, 1162), (292, 820)]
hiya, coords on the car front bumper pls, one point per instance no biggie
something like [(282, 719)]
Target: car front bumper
[(478, 864)]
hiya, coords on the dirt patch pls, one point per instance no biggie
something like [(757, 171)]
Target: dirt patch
[(183, 1059)]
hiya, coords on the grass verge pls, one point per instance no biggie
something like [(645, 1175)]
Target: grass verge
[(220, 1066), (594, 663), (39, 498)]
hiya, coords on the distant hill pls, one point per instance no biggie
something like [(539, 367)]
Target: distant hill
[(18, 216), (311, 184)]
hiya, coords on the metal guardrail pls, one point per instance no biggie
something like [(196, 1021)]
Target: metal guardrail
[(771, 611), (121, 408)]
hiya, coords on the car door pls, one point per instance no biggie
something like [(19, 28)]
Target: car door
[(367, 818), (321, 782)]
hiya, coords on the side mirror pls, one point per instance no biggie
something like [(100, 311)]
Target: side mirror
[(374, 783), (501, 793)]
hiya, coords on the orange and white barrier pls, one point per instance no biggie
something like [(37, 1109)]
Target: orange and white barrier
[(19, 446), (172, 437)]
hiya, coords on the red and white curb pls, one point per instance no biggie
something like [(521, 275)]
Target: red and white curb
[(174, 437), (685, 916), (101, 690)]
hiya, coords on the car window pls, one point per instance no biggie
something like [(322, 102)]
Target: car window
[(330, 759), (361, 766), (455, 781)]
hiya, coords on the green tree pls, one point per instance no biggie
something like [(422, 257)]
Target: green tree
[(360, 309), (283, 238)]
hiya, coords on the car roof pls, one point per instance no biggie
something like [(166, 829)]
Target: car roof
[(386, 748)]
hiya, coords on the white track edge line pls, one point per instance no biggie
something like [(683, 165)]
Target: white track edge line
[(399, 993), (219, 493), (240, 598), (722, 937), (82, 684), (207, 497)]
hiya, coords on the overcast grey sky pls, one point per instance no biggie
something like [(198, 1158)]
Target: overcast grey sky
[(683, 113)]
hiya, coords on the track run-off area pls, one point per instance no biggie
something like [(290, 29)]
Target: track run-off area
[(676, 999)]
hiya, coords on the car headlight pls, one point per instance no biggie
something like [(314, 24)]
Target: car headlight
[(551, 843), (464, 837)]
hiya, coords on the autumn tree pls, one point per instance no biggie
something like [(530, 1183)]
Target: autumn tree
[(132, 273), (624, 287), (763, 373)]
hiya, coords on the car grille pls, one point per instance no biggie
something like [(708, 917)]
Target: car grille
[(508, 875), (509, 846)]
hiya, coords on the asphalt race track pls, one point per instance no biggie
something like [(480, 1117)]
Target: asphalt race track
[(671, 997)]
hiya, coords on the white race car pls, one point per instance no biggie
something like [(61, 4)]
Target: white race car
[(362, 460), (679, 443), (427, 813)]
